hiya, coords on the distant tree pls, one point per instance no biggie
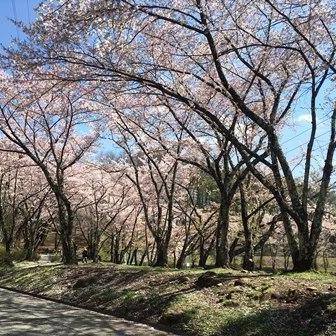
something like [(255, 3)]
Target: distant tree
[(45, 129)]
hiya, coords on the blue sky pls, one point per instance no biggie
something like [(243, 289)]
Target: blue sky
[(9, 9)]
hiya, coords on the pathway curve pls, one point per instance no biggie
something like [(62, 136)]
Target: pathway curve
[(22, 314)]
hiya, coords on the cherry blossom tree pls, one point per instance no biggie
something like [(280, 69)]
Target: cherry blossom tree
[(47, 129), (196, 220), (255, 59), (154, 175), (22, 194), (36, 221), (104, 198), (256, 205)]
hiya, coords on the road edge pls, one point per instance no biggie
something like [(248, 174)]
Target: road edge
[(157, 327)]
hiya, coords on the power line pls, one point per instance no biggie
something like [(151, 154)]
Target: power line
[(291, 150), (306, 130), (15, 17), (14, 9), (28, 11)]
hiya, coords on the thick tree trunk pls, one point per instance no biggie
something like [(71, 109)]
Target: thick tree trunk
[(303, 261), (28, 246), (94, 248), (202, 254), (66, 220), (222, 246), (205, 252), (7, 259), (303, 251), (69, 255), (181, 260), (182, 256), (95, 258), (90, 249), (203, 259), (68, 247), (30, 254), (129, 259), (161, 253)]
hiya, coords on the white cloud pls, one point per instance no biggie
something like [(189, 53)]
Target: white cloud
[(304, 118)]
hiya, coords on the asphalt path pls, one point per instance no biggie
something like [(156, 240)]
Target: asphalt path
[(22, 314)]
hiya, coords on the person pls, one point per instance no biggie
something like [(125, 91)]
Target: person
[(85, 256)]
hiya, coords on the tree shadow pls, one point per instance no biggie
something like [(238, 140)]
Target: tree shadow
[(26, 315), (310, 318)]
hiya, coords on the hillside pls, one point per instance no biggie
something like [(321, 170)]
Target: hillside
[(191, 302)]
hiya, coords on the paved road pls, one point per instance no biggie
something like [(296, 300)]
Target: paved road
[(25, 315)]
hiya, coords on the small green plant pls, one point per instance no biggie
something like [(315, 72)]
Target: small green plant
[(129, 295), (56, 258)]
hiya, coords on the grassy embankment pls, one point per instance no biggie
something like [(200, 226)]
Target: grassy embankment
[(193, 302)]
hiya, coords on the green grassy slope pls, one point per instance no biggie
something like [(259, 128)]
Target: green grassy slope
[(193, 302)]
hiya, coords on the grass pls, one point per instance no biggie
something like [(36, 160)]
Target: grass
[(233, 303)]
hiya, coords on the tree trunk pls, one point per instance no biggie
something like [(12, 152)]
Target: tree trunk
[(222, 246), (151, 255), (202, 254), (129, 259), (261, 256), (174, 258), (56, 241), (29, 251), (161, 253), (28, 246), (303, 256), (248, 259), (90, 249), (117, 253), (182, 257), (286, 261), (303, 262), (181, 260), (143, 256), (69, 255), (325, 261), (112, 259), (135, 256), (95, 253), (233, 246), (66, 231), (7, 259)]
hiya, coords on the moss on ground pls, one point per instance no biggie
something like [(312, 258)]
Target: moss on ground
[(233, 303)]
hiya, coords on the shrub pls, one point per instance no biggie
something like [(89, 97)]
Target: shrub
[(56, 258)]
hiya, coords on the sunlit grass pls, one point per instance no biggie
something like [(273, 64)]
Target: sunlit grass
[(256, 307)]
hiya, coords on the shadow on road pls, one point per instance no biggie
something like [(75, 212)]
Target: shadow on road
[(24, 315)]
